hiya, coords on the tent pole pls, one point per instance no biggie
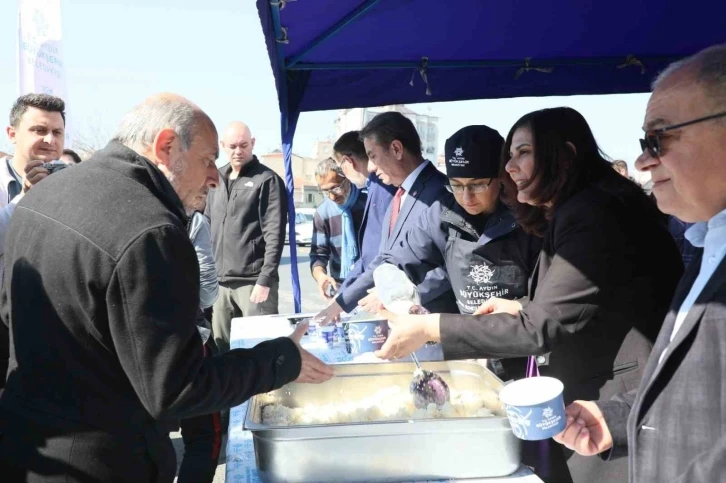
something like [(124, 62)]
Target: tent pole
[(288, 123), (334, 30)]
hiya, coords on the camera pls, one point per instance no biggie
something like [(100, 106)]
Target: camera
[(54, 166)]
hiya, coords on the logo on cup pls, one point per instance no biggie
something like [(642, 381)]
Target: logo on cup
[(520, 422), (535, 407)]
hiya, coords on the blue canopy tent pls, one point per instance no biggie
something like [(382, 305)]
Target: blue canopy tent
[(363, 53)]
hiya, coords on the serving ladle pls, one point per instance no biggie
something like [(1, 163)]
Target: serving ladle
[(400, 296)]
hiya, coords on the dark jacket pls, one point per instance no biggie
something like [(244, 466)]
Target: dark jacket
[(102, 290), (604, 280), (248, 224), (676, 430), (427, 246), (380, 196), (436, 294)]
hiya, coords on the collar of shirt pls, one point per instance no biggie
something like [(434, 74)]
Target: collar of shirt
[(11, 170), (411, 179), (13, 182), (712, 237), (698, 234)]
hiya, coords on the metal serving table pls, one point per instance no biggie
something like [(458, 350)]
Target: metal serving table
[(247, 332)]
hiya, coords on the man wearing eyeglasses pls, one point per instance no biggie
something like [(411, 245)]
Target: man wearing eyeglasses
[(394, 152), (334, 247), (674, 427), (351, 156)]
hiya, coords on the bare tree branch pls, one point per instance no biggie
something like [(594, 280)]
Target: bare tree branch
[(90, 139)]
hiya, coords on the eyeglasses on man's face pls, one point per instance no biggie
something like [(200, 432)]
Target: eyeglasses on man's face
[(653, 141), (337, 191), (474, 188)]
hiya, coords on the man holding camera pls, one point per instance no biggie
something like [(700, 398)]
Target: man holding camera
[(37, 129)]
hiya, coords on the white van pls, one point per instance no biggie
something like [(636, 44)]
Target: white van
[(303, 226)]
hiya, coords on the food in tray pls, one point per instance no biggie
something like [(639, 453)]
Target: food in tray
[(389, 404)]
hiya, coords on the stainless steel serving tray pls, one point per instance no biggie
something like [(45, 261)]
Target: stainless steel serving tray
[(383, 451)]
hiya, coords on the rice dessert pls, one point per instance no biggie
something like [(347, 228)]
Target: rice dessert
[(389, 404)]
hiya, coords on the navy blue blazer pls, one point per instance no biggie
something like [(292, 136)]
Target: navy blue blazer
[(435, 290), (369, 234)]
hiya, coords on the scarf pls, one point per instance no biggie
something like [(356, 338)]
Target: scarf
[(349, 245)]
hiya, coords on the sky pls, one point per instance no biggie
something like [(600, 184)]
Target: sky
[(118, 52)]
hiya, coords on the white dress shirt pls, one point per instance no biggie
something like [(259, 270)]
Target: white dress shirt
[(410, 180), (711, 236)]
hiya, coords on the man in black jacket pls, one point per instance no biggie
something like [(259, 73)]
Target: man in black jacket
[(248, 212), (102, 290)]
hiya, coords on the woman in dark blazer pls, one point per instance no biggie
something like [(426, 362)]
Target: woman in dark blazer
[(601, 289)]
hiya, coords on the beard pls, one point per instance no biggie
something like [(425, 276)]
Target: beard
[(192, 201)]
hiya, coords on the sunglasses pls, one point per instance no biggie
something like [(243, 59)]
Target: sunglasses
[(473, 188), (653, 141)]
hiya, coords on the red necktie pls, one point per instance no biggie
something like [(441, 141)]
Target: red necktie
[(396, 209)]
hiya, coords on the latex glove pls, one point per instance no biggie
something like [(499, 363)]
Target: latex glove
[(498, 306), (586, 432), (370, 303), (312, 369), (329, 315), (407, 334), (259, 294)]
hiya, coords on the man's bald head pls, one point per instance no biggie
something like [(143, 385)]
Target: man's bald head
[(237, 142)]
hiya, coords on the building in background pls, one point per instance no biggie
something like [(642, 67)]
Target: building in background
[(323, 149), (441, 163), (427, 126), (306, 194)]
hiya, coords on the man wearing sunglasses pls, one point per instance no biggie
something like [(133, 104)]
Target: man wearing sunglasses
[(674, 427), (334, 248)]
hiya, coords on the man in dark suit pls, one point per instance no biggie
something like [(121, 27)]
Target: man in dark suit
[(673, 428), (394, 155), (350, 154)]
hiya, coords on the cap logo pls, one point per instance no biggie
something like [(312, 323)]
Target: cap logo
[(458, 160)]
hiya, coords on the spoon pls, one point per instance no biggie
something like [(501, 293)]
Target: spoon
[(427, 387), (400, 296)]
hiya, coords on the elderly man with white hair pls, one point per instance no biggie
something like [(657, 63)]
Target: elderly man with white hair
[(102, 291), (674, 428)]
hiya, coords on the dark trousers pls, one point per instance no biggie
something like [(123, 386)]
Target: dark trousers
[(37, 451), (202, 436)]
